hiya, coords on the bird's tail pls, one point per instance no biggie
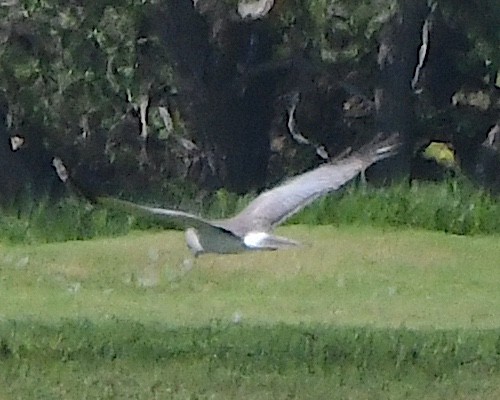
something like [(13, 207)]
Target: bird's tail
[(267, 241)]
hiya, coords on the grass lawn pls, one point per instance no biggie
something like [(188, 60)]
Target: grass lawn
[(355, 313)]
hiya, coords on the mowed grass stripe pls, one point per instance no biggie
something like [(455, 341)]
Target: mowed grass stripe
[(126, 359), (348, 276)]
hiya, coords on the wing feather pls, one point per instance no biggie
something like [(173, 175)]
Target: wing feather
[(162, 216), (274, 206)]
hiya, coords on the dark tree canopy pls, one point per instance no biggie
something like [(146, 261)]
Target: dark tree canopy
[(143, 97)]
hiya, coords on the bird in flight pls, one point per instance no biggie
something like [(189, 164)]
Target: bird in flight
[(252, 228)]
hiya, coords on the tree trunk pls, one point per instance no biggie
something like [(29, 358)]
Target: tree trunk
[(227, 109), (394, 100)]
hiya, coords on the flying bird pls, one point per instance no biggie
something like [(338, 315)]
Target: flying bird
[(252, 228)]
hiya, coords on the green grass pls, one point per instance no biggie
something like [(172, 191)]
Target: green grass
[(356, 313), (390, 277), (452, 207), (120, 359)]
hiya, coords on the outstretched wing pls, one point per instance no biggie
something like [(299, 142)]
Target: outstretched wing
[(161, 216), (165, 217), (276, 205)]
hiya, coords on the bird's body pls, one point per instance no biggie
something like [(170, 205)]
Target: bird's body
[(252, 228)]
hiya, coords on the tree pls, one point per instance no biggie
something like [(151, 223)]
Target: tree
[(147, 97)]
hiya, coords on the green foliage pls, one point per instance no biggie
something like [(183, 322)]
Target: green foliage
[(483, 22), (453, 207), (342, 31), (67, 220), (74, 74), (70, 68), (224, 204)]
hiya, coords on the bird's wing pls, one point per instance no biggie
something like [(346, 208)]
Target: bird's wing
[(212, 236), (276, 205), (165, 217)]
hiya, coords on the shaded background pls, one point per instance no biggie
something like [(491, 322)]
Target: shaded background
[(168, 98)]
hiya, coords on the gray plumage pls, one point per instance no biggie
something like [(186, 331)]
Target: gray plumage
[(252, 228)]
